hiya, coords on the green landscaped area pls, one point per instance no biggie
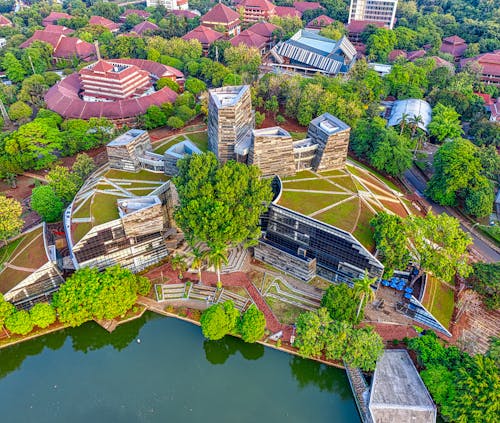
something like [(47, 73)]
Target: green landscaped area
[(165, 146), (298, 135), (351, 196), (200, 139), (439, 300), (98, 203)]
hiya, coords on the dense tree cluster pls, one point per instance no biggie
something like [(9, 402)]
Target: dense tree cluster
[(485, 279), (11, 222), (220, 320), (466, 389)]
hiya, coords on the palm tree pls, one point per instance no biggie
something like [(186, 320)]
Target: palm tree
[(363, 289), (179, 264), (403, 122), (415, 121), (217, 256), (198, 258)]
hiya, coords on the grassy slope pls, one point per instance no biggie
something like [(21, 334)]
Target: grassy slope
[(439, 300)]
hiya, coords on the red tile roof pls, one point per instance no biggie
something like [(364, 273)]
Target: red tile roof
[(394, 54), (184, 13), (441, 62), (106, 23), (50, 37), (359, 26), (69, 47), (5, 21), (454, 39), (220, 14), (284, 11), (454, 45), (320, 22), (102, 66), (258, 4), (141, 13), (486, 97), (265, 29), (414, 55), (302, 6), (204, 35), (60, 29), (250, 39), (54, 17), (145, 26)]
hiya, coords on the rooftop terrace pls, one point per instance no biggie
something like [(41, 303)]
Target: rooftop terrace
[(126, 138), (228, 96)]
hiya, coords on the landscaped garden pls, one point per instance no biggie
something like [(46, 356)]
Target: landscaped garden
[(346, 199), (439, 300), (200, 139)]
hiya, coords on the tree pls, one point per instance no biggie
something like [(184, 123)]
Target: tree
[(392, 154), (179, 264), (381, 43), (391, 241), (341, 302), (485, 279), (479, 197), (445, 123), (83, 166), (46, 203), (439, 245), (217, 256), (154, 117), (195, 85), (253, 324), (64, 183), (13, 67), (310, 332), (287, 26), (364, 348), (43, 315), (272, 105), (167, 82), (19, 323), (198, 258), (11, 222), (175, 122), (33, 90), (6, 309), (20, 111), (362, 288), (218, 320), (334, 31), (339, 334), (243, 60)]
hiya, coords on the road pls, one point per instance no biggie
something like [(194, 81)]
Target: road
[(484, 248)]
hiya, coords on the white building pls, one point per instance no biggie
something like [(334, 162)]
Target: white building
[(169, 4), (373, 10)]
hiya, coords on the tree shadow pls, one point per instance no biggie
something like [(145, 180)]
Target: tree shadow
[(217, 352)]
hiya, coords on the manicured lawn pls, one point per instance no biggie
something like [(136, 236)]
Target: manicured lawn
[(84, 211), (363, 231), (342, 216), (334, 172), (303, 174), (104, 208), (298, 135), (80, 230), (389, 183), (167, 145), (345, 182), (307, 203), (7, 250), (200, 139), (142, 175), (314, 185), (33, 255), (439, 300)]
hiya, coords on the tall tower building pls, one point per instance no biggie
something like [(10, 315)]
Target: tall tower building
[(373, 10), (169, 4), (230, 120)]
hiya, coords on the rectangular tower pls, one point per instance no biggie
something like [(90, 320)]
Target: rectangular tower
[(230, 119), (373, 10), (332, 137), (272, 151)]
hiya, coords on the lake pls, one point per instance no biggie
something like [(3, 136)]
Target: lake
[(172, 375)]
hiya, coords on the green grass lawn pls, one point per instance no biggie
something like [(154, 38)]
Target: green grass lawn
[(345, 182), (84, 211), (200, 139), (492, 231), (439, 300), (315, 185), (298, 135), (80, 231), (333, 172), (7, 250), (303, 174), (285, 313), (363, 231), (104, 208), (141, 175), (378, 175), (167, 145), (342, 216), (307, 202)]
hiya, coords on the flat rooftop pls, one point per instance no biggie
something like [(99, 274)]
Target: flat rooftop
[(228, 96), (397, 384), (274, 131), (126, 138), (329, 123)]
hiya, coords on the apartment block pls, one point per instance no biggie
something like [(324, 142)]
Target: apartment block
[(373, 10)]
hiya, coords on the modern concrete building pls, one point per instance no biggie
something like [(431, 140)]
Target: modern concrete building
[(125, 150), (398, 393), (373, 10), (230, 120), (169, 4)]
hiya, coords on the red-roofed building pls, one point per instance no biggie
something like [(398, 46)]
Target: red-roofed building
[(205, 35), (440, 62), (416, 54), (302, 6), (106, 23), (141, 13), (221, 16), (144, 27), (5, 21), (188, 14), (320, 22), (54, 17), (287, 12), (355, 28), (396, 54), (455, 46), (52, 38), (60, 29), (495, 111), (264, 29), (251, 40), (257, 10), (490, 66)]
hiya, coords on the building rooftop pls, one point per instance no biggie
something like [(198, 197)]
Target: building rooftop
[(265, 29), (411, 107), (397, 392), (274, 131), (329, 124), (126, 138), (54, 17), (5, 21), (144, 26), (131, 205), (106, 23), (220, 14), (320, 22), (250, 39), (359, 26), (288, 11), (203, 34), (228, 96), (141, 13), (257, 4), (302, 6)]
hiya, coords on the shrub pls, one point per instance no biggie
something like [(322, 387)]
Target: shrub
[(19, 323), (175, 122), (167, 82), (20, 111), (43, 315), (143, 285)]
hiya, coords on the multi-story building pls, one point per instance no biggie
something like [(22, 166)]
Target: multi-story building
[(169, 4), (373, 10), (113, 81), (230, 120), (205, 35), (257, 10), (222, 17), (489, 66)]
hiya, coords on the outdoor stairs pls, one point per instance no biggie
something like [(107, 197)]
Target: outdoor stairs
[(360, 390)]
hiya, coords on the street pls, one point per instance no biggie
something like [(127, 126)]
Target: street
[(483, 248)]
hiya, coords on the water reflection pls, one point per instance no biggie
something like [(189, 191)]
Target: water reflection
[(308, 372), (217, 352)]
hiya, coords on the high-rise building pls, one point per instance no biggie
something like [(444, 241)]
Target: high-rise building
[(374, 11), (169, 4), (230, 120)]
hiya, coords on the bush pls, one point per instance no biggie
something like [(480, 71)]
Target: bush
[(43, 315), (167, 82), (46, 203), (280, 120), (194, 85), (19, 323), (186, 99), (252, 325), (175, 122), (185, 113), (20, 111), (143, 285)]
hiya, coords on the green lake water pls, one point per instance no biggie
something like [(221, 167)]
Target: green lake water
[(172, 375)]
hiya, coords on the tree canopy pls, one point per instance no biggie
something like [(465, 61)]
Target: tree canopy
[(219, 320), (252, 325), (11, 222)]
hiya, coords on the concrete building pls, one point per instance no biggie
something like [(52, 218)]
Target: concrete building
[(256, 10), (398, 394), (272, 151), (125, 150), (373, 10), (169, 4), (230, 120)]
